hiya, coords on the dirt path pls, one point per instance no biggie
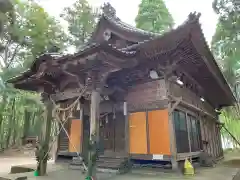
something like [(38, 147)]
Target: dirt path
[(15, 157), (7, 162), (58, 172)]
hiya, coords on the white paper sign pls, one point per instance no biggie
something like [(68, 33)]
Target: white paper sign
[(157, 157), (125, 108)]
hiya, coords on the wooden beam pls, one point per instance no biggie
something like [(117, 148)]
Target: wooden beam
[(179, 99), (192, 81), (72, 78), (105, 58), (192, 107), (170, 68), (171, 130), (81, 117), (110, 90), (68, 94), (94, 134)]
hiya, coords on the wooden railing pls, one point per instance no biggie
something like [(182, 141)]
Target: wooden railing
[(191, 98)]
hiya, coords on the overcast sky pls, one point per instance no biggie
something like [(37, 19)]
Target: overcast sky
[(127, 10)]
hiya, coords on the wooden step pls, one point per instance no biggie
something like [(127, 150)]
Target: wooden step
[(108, 164), (63, 144), (121, 164)]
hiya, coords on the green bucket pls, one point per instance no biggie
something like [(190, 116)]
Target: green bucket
[(88, 178), (36, 173)]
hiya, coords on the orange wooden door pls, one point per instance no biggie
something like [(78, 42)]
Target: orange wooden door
[(75, 136), (158, 125), (137, 133)]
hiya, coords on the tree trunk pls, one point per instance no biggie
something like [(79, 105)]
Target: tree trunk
[(44, 139), (2, 133), (1, 123), (10, 122), (14, 125), (26, 125)]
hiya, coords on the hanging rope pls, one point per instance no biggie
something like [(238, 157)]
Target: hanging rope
[(56, 113)]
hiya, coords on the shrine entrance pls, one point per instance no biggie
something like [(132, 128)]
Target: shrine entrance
[(112, 133)]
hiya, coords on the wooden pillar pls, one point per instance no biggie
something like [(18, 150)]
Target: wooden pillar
[(171, 128), (94, 134), (125, 113), (203, 134), (220, 137), (45, 137), (210, 136), (81, 116), (217, 139), (55, 144), (214, 140), (189, 135)]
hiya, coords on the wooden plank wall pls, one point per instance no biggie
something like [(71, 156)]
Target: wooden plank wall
[(150, 95), (211, 133)]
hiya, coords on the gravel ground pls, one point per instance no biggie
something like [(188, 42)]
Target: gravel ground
[(61, 171)]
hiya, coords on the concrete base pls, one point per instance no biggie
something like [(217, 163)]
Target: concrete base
[(175, 165), (20, 169)]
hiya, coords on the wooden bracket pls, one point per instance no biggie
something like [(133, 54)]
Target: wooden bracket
[(172, 67), (193, 107), (178, 100), (74, 78)]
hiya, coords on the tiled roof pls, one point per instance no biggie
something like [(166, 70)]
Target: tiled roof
[(117, 22)]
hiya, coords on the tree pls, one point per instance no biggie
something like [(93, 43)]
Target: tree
[(5, 6), (226, 40), (81, 18), (6, 13), (225, 43), (154, 16), (32, 33)]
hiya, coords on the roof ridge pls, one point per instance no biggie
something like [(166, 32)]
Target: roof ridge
[(109, 13)]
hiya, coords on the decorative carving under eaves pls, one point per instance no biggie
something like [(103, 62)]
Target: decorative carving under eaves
[(107, 35), (161, 89), (44, 97)]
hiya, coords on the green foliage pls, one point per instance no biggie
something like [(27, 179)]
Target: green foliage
[(5, 6), (39, 32), (226, 40), (81, 20), (225, 45), (6, 14), (31, 33), (154, 16)]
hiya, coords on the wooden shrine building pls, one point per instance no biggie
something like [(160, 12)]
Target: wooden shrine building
[(159, 93)]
